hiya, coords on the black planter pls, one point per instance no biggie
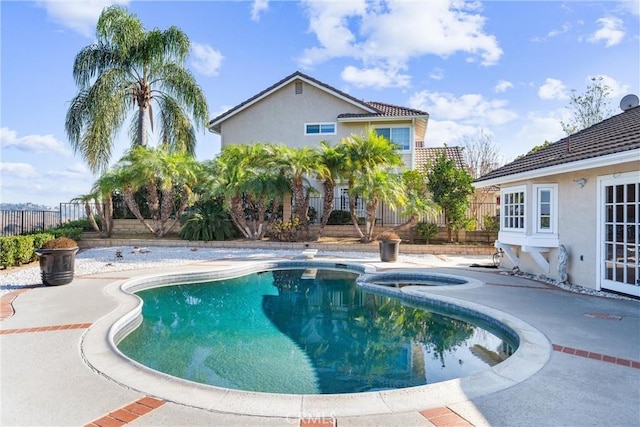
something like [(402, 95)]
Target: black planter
[(389, 250), (57, 265)]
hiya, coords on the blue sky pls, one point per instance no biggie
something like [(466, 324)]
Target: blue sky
[(505, 68)]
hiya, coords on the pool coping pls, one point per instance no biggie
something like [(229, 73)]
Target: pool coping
[(99, 352)]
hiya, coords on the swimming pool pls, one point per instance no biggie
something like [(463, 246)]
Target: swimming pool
[(309, 331), (99, 351)]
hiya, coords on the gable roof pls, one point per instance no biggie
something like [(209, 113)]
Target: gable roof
[(607, 141), (426, 155), (372, 109)]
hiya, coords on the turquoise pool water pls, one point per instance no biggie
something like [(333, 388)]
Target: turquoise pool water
[(278, 332)]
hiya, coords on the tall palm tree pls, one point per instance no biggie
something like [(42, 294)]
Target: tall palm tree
[(364, 155), (128, 69)]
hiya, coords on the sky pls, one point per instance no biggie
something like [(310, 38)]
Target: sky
[(500, 68)]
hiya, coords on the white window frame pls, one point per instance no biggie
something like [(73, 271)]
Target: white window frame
[(398, 127), (306, 128), (553, 208), (504, 215)]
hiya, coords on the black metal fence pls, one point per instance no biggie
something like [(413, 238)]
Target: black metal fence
[(13, 223)]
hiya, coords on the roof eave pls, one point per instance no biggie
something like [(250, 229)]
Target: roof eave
[(381, 118), (579, 165)]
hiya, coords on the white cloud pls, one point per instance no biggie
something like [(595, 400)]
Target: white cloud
[(374, 77), (470, 109), (79, 15), (503, 85), (537, 129), (17, 170), (205, 59), (32, 143), (618, 90), (447, 132), (553, 89), (437, 74), (257, 7), (611, 31), (630, 6), (75, 171), (386, 35)]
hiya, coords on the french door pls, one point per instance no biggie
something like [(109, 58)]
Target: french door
[(620, 233)]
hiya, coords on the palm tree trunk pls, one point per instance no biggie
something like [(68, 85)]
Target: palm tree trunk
[(354, 216), (127, 195), (328, 188), (90, 217), (370, 220), (142, 126)]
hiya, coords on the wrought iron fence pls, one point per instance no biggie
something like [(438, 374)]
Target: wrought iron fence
[(13, 223)]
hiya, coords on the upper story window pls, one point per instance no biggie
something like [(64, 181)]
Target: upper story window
[(320, 129), (400, 136), (512, 209), (545, 207)]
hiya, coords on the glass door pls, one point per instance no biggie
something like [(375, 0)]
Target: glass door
[(620, 235)]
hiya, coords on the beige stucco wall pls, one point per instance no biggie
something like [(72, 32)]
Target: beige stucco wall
[(577, 224), (281, 118)]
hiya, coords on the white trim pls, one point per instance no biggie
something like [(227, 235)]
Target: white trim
[(377, 119), (602, 182), (334, 124), (503, 211), (553, 209), (628, 156), (211, 126)]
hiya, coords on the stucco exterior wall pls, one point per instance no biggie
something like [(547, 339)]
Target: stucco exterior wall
[(577, 224)]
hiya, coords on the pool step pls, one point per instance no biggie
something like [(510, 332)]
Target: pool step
[(310, 273)]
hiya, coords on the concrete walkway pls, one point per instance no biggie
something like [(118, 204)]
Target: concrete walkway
[(592, 377)]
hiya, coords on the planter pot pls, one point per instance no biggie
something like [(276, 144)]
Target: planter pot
[(57, 265), (389, 250)]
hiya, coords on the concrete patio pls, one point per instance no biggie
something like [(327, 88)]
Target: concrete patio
[(592, 377)]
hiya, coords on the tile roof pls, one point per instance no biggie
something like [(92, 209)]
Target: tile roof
[(614, 135), (426, 155), (377, 109), (386, 110)]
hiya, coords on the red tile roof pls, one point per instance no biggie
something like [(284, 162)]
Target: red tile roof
[(614, 135), (387, 110), (426, 155)]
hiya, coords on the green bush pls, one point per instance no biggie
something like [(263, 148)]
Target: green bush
[(427, 230), (83, 223), (71, 233), (17, 250), (339, 218), (207, 221)]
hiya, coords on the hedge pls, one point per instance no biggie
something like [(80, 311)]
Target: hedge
[(18, 250)]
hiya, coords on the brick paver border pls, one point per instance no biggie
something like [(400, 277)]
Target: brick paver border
[(597, 356), (128, 413), (444, 416)]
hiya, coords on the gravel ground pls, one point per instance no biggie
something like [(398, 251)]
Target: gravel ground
[(99, 260)]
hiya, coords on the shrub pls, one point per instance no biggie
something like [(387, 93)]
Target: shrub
[(60, 243), (427, 230), (7, 252), (207, 221), (16, 250), (23, 249), (71, 233), (339, 218), (387, 235), (286, 231), (82, 223)]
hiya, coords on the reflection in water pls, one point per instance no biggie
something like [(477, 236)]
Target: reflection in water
[(276, 332)]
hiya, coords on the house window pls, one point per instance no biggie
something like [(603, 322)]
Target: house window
[(400, 136), (545, 203), (320, 129), (513, 209)]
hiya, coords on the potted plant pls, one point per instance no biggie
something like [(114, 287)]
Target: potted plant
[(57, 261), (389, 244)]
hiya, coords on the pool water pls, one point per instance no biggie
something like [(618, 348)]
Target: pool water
[(278, 332)]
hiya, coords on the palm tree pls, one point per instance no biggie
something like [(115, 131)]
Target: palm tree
[(252, 187), (296, 165), (129, 69), (168, 179), (374, 187), (364, 155), (330, 169)]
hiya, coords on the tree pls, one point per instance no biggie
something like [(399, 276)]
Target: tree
[(129, 69), (330, 169), (363, 157), (251, 185), (167, 178), (450, 188), (588, 108), (418, 205)]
